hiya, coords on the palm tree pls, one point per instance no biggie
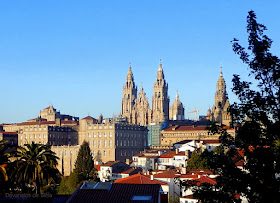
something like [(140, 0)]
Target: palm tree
[(3, 161), (35, 164)]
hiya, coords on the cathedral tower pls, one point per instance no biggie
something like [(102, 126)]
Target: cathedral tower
[(143, 113), (219, 111), (129, 96), (160, 99), (177, 111)]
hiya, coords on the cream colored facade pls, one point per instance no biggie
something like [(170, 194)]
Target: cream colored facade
[(219, 112), (67, 158), (112, 141), (174, 134)]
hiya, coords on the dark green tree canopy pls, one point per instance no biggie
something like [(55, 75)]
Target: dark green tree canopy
[(84, 163), (257, 117)]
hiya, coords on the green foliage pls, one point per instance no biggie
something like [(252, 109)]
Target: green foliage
[(258, 117), (3, 162), (69, 184), (198, 160), (35, 165), (84, 163)]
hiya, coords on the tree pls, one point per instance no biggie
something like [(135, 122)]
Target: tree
[(35, 165), (84, 163), (258, 117), (197, 160), (3, 161)]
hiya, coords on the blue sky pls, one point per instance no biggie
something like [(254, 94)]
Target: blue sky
[(75, 54)]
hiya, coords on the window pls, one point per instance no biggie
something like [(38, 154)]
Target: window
[(35, 136), (110, 143), (105, 143), (30, 136), (105, 134), (94, 143), (99, 134), (94, 134), (110, 134), (45, 136), (121, 143), (88, 143), (117, 142), (21, 137), (99, 143), (39, 135), (124, 143), (104, 152), (89, 135), (65, 153)]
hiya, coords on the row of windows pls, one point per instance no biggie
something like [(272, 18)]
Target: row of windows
[(100, 143), (99, 153), (100, 127), (128, 135), (26, 142), (126, 143), (35, 129), (32, 136), (100, 134)]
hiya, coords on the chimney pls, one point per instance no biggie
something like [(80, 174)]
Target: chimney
[(184, 170), (187, 154), (152, 177), (57, 122), (198, 176), (127, 161), (148, 172), (156, 166)]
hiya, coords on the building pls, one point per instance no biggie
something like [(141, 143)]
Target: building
[(154, 130), (115, 192), (174, 134), (137, 109), (67, 158), (219, 112), (146, 160), (111, 141)]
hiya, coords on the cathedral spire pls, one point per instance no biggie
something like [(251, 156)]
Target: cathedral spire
[(141, 89), (177, 96), (160, 74), (129, 74)]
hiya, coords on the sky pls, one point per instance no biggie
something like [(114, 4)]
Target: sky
[(75, 54)]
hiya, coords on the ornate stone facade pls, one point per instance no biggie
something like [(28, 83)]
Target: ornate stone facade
[(137, 110), (219, 112)]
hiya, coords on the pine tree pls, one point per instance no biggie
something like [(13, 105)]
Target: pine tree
[(84, 163)]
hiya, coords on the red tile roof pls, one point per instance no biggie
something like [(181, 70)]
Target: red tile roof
[(200, 171), (10, 133), (89, 118), (110, 163), (139, 179), (204, 179), (171, 154), (97, 167), (190, 128)]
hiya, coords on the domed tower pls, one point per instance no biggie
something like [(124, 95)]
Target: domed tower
[(142, 109), (177, 111), (160, 99), (129, 96)]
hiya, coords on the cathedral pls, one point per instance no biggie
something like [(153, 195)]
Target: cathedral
[(136, 108), (137, 111), (219, 112)]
